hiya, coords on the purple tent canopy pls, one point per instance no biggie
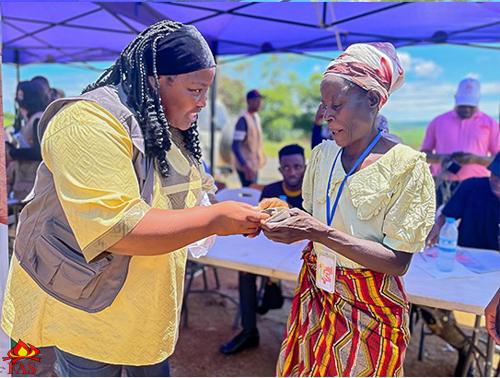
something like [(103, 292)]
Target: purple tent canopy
[(64, 32)]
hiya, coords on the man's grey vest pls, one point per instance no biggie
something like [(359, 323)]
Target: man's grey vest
[(45, 244)]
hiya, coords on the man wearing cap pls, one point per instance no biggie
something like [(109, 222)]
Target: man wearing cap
[(247, 141), (457, 143)]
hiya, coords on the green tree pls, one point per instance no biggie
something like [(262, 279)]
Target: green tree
[(231, 92), (279, 111)]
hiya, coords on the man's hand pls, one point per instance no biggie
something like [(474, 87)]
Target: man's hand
[(464, 158), (491, 317), (444, 159), (469, 158), (249, 173), (433, 237), (8, 158), (318, 118)]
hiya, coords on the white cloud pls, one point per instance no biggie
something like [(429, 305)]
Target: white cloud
[(491, 88), (405, 59), (317, 68), (422, 101), (473, 75), (427, 68), (421, 67)]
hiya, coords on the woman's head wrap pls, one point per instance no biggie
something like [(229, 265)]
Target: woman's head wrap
[(182, 51), (372, 66)]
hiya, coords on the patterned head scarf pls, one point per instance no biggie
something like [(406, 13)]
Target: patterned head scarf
[(372, 66)]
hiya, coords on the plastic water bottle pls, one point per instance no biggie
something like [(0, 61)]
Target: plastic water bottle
[(447, 246)]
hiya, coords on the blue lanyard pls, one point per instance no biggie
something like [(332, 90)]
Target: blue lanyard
[(331, 213)]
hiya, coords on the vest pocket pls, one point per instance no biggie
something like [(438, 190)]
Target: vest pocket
[(72, 279), (60, 265), (57, 264), (46, 264)]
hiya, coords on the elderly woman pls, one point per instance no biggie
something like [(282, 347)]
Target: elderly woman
[(369, 205)]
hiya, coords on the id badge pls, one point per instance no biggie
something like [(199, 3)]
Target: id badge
[(325, 271)]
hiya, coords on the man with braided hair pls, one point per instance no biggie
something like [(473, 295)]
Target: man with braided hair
[(101, 246)]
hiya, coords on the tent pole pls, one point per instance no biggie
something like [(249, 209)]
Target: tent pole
[(336, 29), (18, 66), (5, 342), (213, 107)]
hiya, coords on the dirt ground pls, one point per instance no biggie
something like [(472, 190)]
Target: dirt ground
[(210, 326)]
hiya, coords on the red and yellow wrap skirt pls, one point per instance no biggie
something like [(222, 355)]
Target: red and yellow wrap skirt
[(360, 330)]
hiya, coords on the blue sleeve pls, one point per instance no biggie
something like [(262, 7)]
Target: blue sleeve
[(316, 136), (240, 130)]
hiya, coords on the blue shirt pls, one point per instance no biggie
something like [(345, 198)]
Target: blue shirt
[(479, 210)]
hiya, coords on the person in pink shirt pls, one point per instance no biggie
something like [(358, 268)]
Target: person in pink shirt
[(461, 143)]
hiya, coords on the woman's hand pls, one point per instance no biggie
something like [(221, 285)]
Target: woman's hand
[(232, 218), (491, 317), (318, 118), (269, 203), (299, 226)]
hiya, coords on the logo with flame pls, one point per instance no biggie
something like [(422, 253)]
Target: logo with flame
[(20, 351), (326, 273)]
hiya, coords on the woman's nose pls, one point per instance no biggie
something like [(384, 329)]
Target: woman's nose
[(328, 116), (202, 102)]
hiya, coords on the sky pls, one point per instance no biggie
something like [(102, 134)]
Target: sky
[(432, 75)]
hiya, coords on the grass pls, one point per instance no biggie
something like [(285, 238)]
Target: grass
[(271, 148), (8, 119), (411, 136)]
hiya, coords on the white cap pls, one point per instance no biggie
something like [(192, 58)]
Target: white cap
[(468, 93)]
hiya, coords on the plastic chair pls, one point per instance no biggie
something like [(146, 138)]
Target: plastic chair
[(246, 195)]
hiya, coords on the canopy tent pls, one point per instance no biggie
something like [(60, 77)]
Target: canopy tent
[(82, 32), (85, 32)]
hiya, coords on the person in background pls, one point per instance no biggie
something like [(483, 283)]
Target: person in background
[(320, 131), (53, 93), (292, 167), (477, 204), (492, 313), (23, 149), (57, 93), (247, 141), (457, 143)]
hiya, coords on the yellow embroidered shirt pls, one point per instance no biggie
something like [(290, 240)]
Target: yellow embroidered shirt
[(391, 201), (90, 155)]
